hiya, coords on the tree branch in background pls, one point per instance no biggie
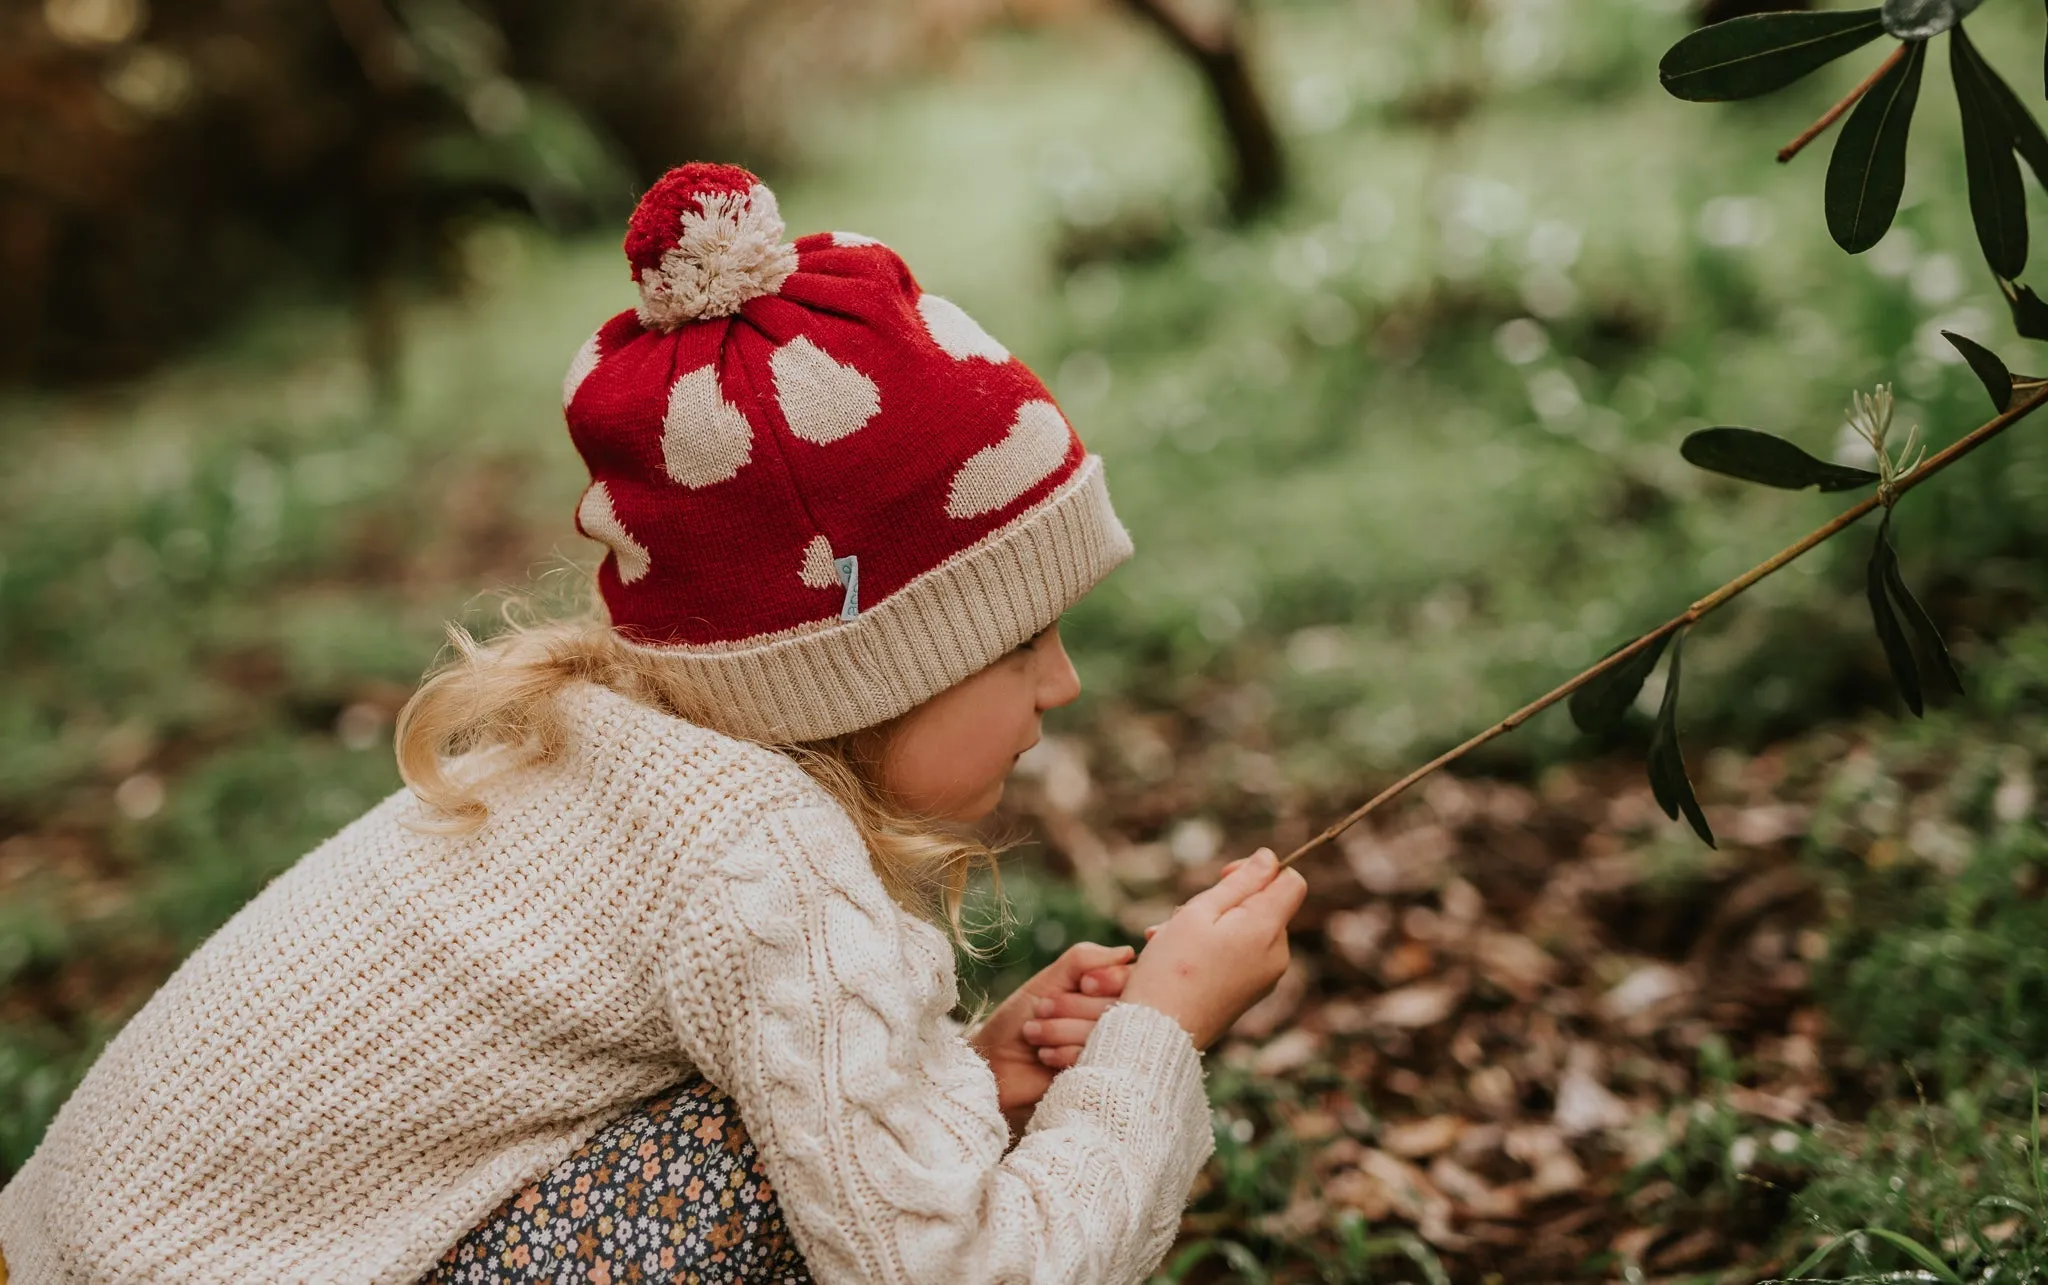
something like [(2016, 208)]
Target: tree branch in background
[(2021, 407), (1258, 162), (378, 212)]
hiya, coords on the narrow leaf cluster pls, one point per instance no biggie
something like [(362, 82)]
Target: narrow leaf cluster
[(1748, 56)]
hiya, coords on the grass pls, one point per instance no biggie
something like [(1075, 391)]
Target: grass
[(1396, 458)]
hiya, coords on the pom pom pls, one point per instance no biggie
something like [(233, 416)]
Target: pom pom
[(704, 240)]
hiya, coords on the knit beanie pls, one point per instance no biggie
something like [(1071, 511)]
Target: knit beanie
[(826, 494)]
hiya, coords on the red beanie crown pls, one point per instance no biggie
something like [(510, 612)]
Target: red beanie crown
[(826, 493)]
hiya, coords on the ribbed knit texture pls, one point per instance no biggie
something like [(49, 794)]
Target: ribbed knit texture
[(404, 1028), (952, 621)]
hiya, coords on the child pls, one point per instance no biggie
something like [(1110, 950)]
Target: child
[(699, 843)]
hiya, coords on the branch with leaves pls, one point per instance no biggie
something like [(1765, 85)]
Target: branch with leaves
[(1602, 694), (1750, 56)]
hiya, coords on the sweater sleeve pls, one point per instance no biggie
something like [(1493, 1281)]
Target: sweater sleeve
[(800, 988)]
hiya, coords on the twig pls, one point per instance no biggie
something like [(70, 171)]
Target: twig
[(2037, 394), (1833, 114)]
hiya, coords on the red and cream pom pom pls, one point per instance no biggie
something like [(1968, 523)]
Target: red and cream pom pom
[(703, 241)]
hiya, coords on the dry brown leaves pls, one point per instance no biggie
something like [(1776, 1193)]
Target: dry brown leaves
[(1499, 993)]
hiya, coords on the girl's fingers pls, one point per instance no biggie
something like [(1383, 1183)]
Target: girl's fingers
[(1254, 873), (1105, 981), (1072, 1005), (1277, 901), (1056, 1032), (1060, 1058), (1080, 959)]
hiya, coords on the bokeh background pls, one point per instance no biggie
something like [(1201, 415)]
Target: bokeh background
[(1388, 316)]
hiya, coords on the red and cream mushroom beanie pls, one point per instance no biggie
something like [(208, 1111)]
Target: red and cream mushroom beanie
[(826, 493)]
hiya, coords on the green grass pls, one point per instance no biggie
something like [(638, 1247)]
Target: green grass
[(1374, 498)]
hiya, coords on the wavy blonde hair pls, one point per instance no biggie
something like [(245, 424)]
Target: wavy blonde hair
[(500, 694)]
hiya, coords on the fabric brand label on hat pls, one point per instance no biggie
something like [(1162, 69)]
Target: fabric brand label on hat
[(849, 575)]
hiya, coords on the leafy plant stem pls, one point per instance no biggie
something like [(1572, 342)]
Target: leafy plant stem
[(2035, 395), (1833, 114)]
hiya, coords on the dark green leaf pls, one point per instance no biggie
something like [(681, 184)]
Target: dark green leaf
[(1867, 172), (1924, 19), (1762, 457), (2029, 313), (1744, 57), (1897, 653), (1668, 781), (1599, 705), (1930, 646), (1998, 204), (1991, 372), (2027, 137)]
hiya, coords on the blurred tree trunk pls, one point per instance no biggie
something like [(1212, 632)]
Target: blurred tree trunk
[(1259, 165)]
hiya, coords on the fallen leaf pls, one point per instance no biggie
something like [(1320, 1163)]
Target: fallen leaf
[(1417, 1139), (1415, 1007), (1649, 986), (1290, 1051), (1553, 1169), (1356, 934), (1470, 1192), (1584, 1104), (1630, 1246), (1687, 1250), (1406, 962), (1410, 862), (1493, 1089), (1784, 1108), (1515, 964)]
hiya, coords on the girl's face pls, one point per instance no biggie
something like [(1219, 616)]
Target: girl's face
[(948, 758)]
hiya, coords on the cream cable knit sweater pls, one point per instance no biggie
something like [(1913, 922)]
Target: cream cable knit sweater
[(403, 1029)]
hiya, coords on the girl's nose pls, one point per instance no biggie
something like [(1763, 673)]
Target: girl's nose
[(1058, 684)]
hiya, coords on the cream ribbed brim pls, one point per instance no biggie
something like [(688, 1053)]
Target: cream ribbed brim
[(948, 623)]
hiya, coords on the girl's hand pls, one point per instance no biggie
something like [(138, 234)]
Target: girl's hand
[(1222, 950), (1039, 1030)]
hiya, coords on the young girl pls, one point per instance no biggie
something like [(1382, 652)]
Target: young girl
[(698, 843)]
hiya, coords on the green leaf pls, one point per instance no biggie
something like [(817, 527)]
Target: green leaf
[(1998, 204), (1924, 19), (2027, 137), (1990, 371), (1816, 1258), (1668, 781), (2029, 313), (1867, 172), (1931, 648), (1918, 1252), (1744, 57), (1599, 705), (1897, 652), (1756, 456)]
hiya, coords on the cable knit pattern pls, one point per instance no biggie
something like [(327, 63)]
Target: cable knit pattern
[(406, 1028)]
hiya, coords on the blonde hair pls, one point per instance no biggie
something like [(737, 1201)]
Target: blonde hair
[(501, 694)]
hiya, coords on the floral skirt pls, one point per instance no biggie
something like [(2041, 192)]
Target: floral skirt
[(669, 1191)]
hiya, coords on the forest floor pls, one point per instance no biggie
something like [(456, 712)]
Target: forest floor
[(1535, 1032)]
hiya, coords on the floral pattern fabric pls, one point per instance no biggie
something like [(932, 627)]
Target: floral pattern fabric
[(670, 1191)]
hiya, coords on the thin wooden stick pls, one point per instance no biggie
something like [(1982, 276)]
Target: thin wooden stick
[(1833, 114), (2037, 393)]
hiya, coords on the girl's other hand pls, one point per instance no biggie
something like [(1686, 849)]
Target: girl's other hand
[(1039, 1030), (1220, 951)]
